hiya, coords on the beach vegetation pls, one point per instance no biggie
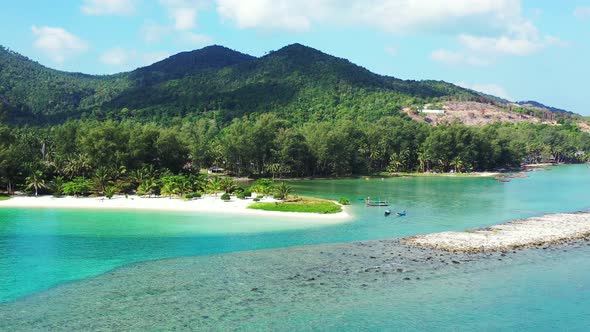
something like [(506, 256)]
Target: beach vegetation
[(193, 195), (110, 191), (344, 201), (228, 185), (79, 186), (56, 186), (282, 191), (304, 205), (225, 197), (35, 182)]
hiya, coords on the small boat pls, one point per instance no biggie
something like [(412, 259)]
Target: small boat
[(401, 214), (376, 203), (387, 212)]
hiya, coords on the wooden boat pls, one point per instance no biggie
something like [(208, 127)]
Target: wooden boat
[(387, 212), (376, 203)]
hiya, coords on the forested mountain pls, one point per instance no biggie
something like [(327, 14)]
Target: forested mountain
[(296, 81), (294, 112)]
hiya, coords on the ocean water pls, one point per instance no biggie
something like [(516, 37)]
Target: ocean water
[(43, 248)]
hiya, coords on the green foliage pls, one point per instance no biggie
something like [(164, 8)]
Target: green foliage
[(56, 186), (344, 201), (296, 112), (225, 197), (35, 182), (241, 195), (303, 205), (78, 187), (256, 199), (282, 190), (193, 195), (110, 192)]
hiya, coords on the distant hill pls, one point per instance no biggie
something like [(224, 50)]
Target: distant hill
[(537, 105), (297, 82)]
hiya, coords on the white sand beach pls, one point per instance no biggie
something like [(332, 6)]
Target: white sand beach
[(207, 204), (547, 229)]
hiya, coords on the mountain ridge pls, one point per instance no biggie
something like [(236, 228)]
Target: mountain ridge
[(297, 81)]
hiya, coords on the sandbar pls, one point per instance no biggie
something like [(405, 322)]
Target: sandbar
[(206, 204)]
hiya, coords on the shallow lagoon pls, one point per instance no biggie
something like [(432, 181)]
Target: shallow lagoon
[(41, 248)]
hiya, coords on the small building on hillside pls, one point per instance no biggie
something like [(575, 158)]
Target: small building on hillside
[(426, 111), (215, 170)]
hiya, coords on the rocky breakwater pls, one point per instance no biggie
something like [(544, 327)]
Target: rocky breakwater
[(523, 233)]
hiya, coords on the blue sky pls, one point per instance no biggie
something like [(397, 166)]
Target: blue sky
[(517, 49)]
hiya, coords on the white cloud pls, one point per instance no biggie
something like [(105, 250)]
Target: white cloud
[(391, 50), (109, 7), (582, 12), (490, 89), (397, 16), (184, 13), (521, 38), (116, 57), (196, 39), (57, 43), (130, 59), (457, 58), (152, 32)]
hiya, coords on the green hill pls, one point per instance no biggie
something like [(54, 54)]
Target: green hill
[(297, 82)]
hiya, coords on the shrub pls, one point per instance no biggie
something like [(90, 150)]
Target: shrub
[(109, 192), (241, 195), (225, 197), (344, 201), (247, 193), (78, 187), (193, 195), (257, 199)]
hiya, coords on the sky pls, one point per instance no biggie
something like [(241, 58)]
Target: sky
[(515, 49)]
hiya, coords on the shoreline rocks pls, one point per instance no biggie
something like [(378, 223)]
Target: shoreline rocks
[(535, 232)]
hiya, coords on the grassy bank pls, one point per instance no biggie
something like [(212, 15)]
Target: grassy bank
[(419, 174), (306, 205), (4, 198)]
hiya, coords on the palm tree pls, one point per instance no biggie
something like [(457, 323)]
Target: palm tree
[(457, 164), (214, 185), (102, 178), (57, 185), (35, 181), (228, 185), (282, 190), (274, 169)]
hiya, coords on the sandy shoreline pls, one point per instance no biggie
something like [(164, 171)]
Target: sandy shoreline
[(522, 233), (208, 204)]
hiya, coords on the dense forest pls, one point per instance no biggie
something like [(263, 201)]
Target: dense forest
[(295, 112), (127, 154)]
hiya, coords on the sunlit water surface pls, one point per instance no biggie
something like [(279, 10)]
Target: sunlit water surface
[(42, 248)]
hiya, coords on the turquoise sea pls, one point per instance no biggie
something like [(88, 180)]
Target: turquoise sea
[(42, 248)]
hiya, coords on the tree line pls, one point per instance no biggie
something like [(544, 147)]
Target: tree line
[(122, 156)]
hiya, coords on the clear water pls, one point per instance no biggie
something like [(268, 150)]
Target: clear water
[(41, 248)]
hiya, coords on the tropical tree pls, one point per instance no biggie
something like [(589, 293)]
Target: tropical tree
[(35, 181), (102, 179), (56, 186), (228, 185), (214, 186), (282, 190)]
